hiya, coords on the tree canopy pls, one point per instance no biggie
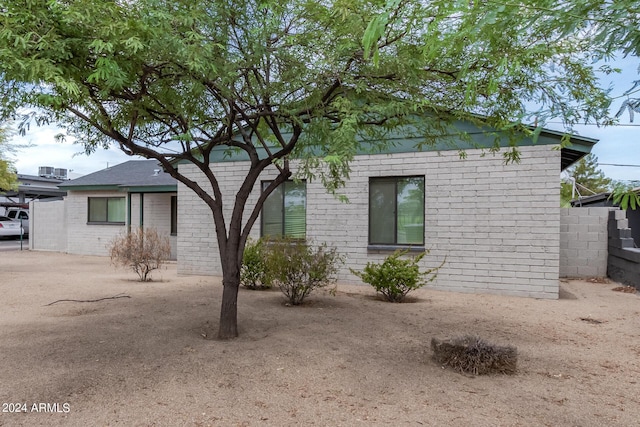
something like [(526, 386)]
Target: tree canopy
[(8, 176), (175, 79), (587, 178)]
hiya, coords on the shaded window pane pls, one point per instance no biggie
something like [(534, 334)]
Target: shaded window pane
[(295, 209), (410, 211), (97, 209), (382, 211), (284, 212), (116, 210), (272, 212)]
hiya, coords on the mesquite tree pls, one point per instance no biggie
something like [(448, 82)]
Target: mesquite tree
[(173, 80), (8, 176)]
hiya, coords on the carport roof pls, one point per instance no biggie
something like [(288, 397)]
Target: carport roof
[(132, 176)]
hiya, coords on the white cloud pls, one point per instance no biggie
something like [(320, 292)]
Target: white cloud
[(44, 150)]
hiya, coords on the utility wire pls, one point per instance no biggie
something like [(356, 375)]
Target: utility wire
[(607, 126)]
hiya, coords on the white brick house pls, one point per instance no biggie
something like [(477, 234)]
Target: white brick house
[(496, 224), (104, 204)]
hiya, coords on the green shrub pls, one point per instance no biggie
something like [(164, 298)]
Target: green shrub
[(298, 268), (395, 277), (253, 273)]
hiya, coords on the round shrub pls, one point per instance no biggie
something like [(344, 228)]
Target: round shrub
[(395, 277), (299, 268), (253, 273)]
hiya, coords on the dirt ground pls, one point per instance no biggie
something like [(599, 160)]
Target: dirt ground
[(342, 360)]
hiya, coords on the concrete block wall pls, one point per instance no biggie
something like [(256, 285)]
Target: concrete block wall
[(583, 242), (47, 226), (84, 238), (496, 224), (623, 264)]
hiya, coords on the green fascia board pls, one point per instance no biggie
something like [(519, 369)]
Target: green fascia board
[(400, 141), (154, 189)]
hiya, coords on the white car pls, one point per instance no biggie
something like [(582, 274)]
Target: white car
[(20, 215), (9, 227)]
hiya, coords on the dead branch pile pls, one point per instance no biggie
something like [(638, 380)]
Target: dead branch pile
[(472, 355)]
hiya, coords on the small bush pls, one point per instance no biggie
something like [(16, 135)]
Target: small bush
[(143, 250), (253, 274), (472, 355), (396, 277), (298, 268)]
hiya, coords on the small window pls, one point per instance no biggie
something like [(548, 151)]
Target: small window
[(284, 213), (396, 211), (174, 215), (106, 210)]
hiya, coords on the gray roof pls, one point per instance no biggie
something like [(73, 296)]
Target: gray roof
[(134, 173), (53, 181)]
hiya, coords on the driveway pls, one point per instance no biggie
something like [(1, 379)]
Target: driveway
[(13, 244)]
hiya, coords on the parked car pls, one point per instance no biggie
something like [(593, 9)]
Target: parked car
[(20, 215), (9, 227)]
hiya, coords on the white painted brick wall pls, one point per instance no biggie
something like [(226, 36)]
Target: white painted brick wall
[(47, 226), (62, 225), (497, 225), (88, 239), (583, 242)]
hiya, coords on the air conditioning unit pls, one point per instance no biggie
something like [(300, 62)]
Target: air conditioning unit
[(60, 173), (45, 171)]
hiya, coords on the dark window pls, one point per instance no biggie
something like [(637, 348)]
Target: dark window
[(107, 210), (284, 213), (174, 215), (396, 211)]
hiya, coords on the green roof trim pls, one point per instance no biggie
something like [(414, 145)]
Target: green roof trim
[(479, 139), (149, 189)]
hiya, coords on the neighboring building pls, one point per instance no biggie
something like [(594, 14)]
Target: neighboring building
[(101, 205), (496, 224), (31, 187)]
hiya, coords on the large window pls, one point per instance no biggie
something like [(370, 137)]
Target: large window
[(396, 211), (107, 210), (284, 213)]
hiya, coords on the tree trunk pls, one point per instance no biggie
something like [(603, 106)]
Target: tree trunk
[(228, 328)]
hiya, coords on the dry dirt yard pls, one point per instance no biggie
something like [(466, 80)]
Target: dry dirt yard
[(343, 360)]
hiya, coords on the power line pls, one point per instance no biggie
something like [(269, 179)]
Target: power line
[(602, 126), (617, 164)]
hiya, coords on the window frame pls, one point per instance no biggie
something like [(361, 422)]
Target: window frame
[(263, 185), (106, 221), (395, 245)]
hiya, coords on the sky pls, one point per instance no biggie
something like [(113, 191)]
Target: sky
[(618, 145)]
